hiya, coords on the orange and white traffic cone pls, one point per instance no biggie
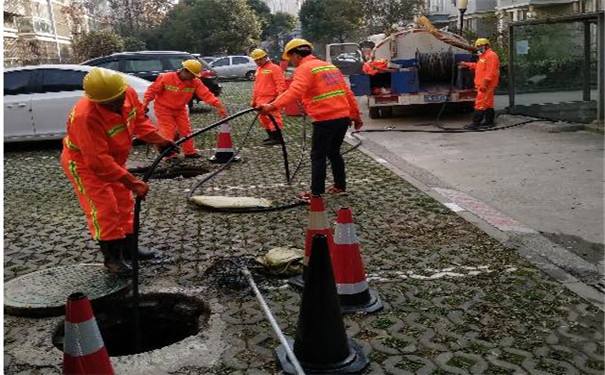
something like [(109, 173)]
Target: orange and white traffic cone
[(224, 146), (318, 224), (84, 351), (351, 284)]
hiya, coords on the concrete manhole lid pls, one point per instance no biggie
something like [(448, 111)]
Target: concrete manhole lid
[(44, 293)]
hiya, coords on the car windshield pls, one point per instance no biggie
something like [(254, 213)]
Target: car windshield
[(174, 62)]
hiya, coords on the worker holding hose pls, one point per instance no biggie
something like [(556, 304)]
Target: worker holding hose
[(99, 136), (171, 92), (329, 101), (487, 76), (269, 82)]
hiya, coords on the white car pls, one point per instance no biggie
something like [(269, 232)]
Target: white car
[(234, 67), (37, 99)]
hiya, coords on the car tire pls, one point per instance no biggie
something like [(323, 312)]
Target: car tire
[(250, 75)]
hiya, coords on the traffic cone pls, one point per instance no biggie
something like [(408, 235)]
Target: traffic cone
[(318, 224), (321, 344), (351, 284), (84, 351), (224, 146)]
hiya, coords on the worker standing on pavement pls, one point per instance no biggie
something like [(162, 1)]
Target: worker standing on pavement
[(171, 92), (329, 102), (99, 136), (487, 77), (269, 82)]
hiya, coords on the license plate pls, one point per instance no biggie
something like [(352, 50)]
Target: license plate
[(436, 98)]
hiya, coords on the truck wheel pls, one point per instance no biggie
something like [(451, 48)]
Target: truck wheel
[(386, 112), (374, 112)]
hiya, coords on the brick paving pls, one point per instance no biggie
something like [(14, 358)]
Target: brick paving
[(456, 301)]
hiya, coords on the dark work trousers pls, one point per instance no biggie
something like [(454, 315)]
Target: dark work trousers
[(327, 139)]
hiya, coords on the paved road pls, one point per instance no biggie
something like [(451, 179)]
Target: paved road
[(548, 181)]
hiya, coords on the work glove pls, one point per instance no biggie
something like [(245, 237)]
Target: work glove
[(222, 111), (357, 123), (266, 108), (138, 187)]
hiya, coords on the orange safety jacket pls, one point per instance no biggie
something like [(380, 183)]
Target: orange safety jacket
[(324, 92), (487, 70), (100, 140), (170, 92), (269, 82), (374, 67)]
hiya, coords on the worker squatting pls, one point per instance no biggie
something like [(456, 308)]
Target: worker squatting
[(102, 124)]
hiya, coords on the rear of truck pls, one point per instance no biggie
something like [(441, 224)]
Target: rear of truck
[(422, 69)]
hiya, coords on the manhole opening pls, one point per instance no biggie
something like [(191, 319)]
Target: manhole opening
[(164, 319), (185, 171)]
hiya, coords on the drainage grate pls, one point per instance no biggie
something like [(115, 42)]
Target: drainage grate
[(165, 319)]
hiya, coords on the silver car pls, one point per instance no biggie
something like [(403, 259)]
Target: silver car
[(234, 67)]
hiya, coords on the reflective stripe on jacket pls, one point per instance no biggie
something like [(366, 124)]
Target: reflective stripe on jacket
[(269, 82), (100, 140), (487, 70), (324, 92), (169, 91)]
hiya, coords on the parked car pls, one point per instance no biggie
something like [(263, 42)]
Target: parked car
[(149, 64), (208, 59), (37, 99), (349, 62), (234, 67)]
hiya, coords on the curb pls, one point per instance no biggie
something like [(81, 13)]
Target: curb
[(526, 241)]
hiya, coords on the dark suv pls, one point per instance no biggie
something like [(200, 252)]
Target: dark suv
[(149, 64)]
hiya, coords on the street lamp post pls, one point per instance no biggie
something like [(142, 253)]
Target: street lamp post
[(461, 5)]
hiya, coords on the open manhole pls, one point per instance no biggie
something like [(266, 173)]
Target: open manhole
[(164, 320), (170, 171)]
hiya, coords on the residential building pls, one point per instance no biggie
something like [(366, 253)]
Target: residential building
[(285, 6), (520, 10), (41, 31), (479, 17)]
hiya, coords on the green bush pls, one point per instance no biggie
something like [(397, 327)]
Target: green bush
[(96, 44)]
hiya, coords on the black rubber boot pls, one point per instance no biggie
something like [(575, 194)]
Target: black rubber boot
[(268, 139), (143, 254), (113, 251), (477, 118), (490, 115), (274, 139)]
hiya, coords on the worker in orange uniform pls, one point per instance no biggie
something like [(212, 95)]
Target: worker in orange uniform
[(374, 67), (268, 84), (331, 105), (99, 136), (487, 77), (171, 92)]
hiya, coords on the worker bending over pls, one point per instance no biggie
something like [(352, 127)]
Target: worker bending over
[(100, 129), (268, 84), (487, 76), (331, 105), (171, 92)]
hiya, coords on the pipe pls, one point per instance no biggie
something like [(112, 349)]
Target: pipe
[(273, 322)]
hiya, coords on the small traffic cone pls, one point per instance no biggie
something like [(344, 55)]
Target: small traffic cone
[(318, 224), (321, 344), (84, 351), (224, 146), (353, 290)]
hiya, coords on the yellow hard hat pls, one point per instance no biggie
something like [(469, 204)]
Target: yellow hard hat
[(103, 85), (294, 43), (258, 54), (481, 42), (193, 66)]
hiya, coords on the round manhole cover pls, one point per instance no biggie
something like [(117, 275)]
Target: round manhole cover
[(44, 293)]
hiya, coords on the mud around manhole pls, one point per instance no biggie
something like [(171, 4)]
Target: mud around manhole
[(165, 171), (224, 274), (164, 320)]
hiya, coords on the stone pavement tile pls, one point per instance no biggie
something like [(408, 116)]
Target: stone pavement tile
[(455, 298)]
